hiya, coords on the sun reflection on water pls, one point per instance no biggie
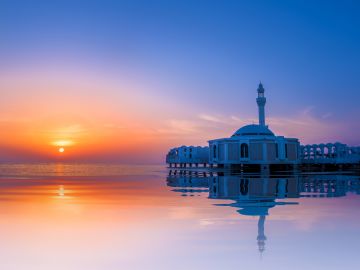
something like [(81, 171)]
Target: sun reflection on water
[(61, 191)]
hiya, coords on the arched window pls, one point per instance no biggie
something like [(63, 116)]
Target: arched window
[(214, 148), (244, 150)]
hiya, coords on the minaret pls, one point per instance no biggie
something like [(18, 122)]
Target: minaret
[(261, 100)]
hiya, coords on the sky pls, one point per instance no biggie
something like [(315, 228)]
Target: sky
[(124, 81)]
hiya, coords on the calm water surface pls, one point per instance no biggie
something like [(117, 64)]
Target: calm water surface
[(82, 216)]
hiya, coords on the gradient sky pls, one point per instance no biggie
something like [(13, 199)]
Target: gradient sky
[(123, 81)]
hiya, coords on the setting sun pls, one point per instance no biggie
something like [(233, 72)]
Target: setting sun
[(61, 149)]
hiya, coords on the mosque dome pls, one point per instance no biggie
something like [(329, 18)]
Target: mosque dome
[(251, 130)]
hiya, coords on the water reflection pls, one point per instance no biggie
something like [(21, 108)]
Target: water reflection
[(133, 221), (254, 195), (254, 188)]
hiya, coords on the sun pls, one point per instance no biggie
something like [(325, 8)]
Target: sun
[(61, 149)]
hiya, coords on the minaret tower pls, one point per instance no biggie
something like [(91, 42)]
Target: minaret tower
[(261, 100)]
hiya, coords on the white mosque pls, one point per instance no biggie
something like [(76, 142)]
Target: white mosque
[(256, 147), (251, 145), (255, 144)]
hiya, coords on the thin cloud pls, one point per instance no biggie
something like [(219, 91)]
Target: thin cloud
[(211, 118), (305, 125)]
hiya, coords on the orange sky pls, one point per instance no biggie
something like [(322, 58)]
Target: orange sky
[(91, 119), (95, 117)]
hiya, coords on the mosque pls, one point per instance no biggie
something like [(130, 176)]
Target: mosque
[(256, 148), (255, 145), (251, 146)]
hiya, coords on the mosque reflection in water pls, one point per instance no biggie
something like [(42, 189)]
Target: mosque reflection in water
[(255, 195)]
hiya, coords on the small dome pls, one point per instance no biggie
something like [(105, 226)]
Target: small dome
[(251, 130)]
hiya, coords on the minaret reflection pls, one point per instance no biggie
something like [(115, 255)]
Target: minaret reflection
[(254, 196), (261, 234)]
